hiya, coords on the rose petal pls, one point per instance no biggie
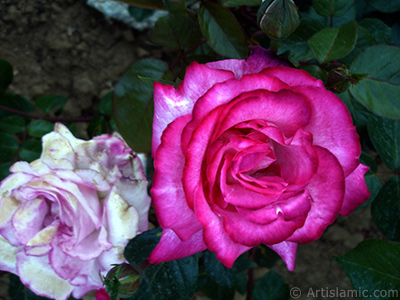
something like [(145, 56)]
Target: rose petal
[(258, 60), (287, 251), (171, 247), (215, 236), (326, 189), (36, 273), (169, 162), (293, 77), (356, 190), (340, 138), (226, 92), (8, 256), (171, 103), (122, 219), (8, 206), (28, 219)]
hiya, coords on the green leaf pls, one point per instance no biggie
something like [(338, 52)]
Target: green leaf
[(395, 40), (220, 274), (48, 103), (177, 31), (216, 292), (16, 102), (296, 44), (235, 3), (39, 128), (358, 112), (379, 91), (371, 179), (97, 126), (222, 31), (174, 280), (385, 209), (385, 135), (5, 170), (105, 105), (139, 248), (8, 147), (30, 150), (271, 286), (380, 32), (12, 124), (133, 105), (265, 256), (390, 6), (6, 75), (149, 4), (336, 8), (373, 267), (334, 43)]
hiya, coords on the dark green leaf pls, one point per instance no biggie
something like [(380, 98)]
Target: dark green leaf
[(149, 4), (373, 268), (235, 3), (175, 5), (139, 248), (358, 112), (390, 6), (177, 31), (6, 75), (96, 126), (316, 71), (12, 124), (174, 280), (30, 150), (143, 293), (39, 128), (296, 44), (8, 147), (395, 40), (379, 91), (385, 135), (133, 105), (222, 31), (371, 179), (336, 8), (350, 15), (105, 105), (265, 257), (216, 292), (5, 170), (139, 14), (334, 43), (16, 102), (220, 274), (241, 283), (380, 32), (385, 209), (271, 286), (50, 102)]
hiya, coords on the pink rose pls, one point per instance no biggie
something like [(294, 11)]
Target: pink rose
[(247, 153), (66, 217)]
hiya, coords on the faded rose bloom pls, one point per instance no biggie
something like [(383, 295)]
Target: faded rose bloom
[(66, 217), (247, 153)]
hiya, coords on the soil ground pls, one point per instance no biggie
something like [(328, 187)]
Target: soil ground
[(63, 47)]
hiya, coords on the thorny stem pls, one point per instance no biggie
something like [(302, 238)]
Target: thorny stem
[(250, 282), (51, 119)]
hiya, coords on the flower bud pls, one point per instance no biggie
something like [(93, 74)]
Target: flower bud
[(278, 18), (339, 79), (122, 281)]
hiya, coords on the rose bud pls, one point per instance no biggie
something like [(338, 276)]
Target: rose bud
[(278, 18)]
